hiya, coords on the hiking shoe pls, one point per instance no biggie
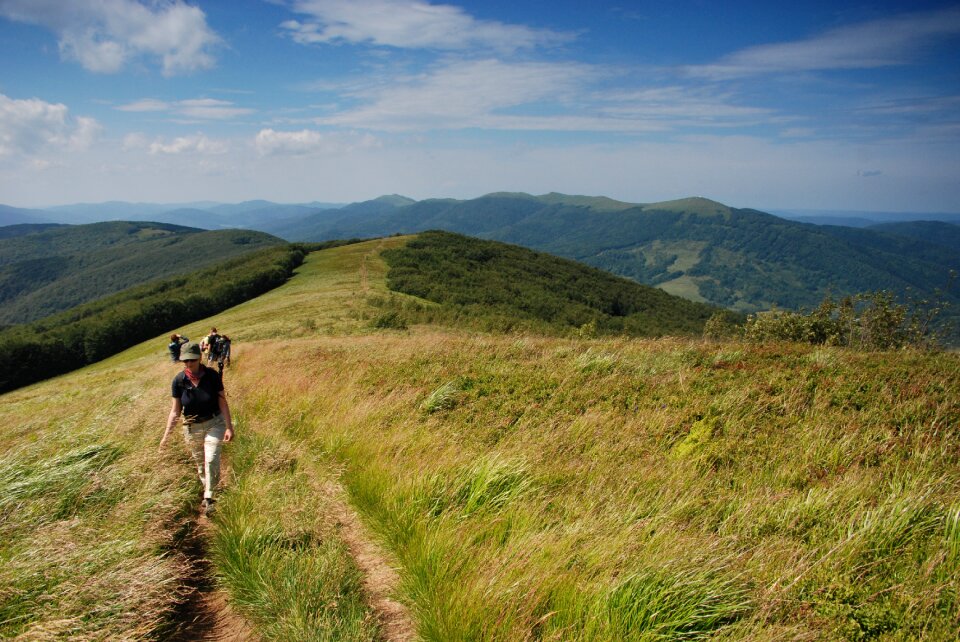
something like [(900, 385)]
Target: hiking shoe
[(207, 506)]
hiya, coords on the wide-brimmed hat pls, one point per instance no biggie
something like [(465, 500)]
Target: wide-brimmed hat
[(189, 351)]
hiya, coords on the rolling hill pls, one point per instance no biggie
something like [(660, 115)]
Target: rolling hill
[(522, 486), (57, 268)]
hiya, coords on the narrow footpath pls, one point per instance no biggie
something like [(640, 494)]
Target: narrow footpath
[(380, 579), (206, 615)]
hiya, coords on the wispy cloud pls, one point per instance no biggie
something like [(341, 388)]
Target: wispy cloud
[(201, 108), (879, 43), (31, 126), (269, 142), (410, 24), (459, 94), (534, 96), (197, 144), (105, 35), (678, 105)]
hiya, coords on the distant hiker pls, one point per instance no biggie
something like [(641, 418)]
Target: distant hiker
[(223, 352), (198, 393), (176, 342), (209, 345)]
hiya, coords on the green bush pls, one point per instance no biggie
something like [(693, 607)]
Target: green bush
[(869, 321)]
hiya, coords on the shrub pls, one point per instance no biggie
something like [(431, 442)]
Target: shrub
[(390, 320), (868, 321)]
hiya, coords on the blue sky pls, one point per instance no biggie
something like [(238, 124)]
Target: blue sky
[(812, 105)]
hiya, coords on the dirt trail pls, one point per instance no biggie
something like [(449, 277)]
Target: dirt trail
[(379, 577), (206, 615)]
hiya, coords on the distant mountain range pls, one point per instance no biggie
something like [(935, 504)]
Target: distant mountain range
[(705, 251), (269, 216), (697, 248), (48, 268)]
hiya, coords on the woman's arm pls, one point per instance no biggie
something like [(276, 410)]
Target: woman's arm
[(175, 410), (225, 413)]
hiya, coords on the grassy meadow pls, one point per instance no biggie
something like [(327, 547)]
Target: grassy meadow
[(525, 487)]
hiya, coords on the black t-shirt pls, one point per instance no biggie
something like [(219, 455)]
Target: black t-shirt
[(201, 402)]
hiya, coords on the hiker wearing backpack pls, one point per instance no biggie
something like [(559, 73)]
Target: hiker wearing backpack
[(199, 395), (176, 342), (223, 352), (209, 345)]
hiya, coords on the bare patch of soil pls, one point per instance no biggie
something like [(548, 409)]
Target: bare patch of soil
[(380, 579), (206, 616)]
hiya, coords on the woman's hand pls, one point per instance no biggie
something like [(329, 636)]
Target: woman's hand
[(228, 435)]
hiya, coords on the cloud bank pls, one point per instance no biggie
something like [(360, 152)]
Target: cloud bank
[(106, 35), (28, 127)]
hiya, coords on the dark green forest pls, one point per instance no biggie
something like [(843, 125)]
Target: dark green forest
[(45, 269), (507, 287)]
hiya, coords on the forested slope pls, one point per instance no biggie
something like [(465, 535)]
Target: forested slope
[(57, 268)]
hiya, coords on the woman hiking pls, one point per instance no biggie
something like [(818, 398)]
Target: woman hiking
[(198, 393)]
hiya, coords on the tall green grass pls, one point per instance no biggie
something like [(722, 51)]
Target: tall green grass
[(278, 555), (536, 488), (89, 525)]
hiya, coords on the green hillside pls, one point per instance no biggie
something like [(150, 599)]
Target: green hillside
[(523, 486), (696, 248), (508, 285), (58, 268), (936, 232), (23, 229)]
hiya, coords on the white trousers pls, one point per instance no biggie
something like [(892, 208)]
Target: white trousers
[(204, 441)]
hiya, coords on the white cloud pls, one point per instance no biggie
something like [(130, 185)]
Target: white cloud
[(105, 35), (409, 24), (269, 142), (197, 144), (880, 43), (29, 127), (135, 141), (197, 108), (85, 133)]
